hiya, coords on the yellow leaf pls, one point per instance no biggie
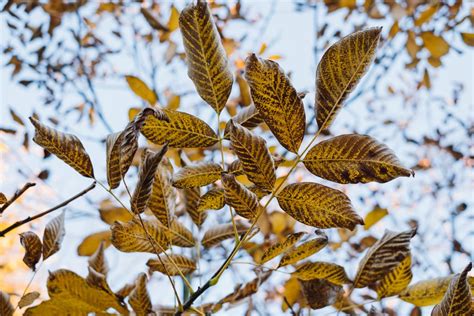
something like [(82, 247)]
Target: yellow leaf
[(66, 147), (33, 249), (339, 71), (6, 308), (165, 265), (214, 235), (383, 256), (280, 247), (245, 290), (191, 201), (236, 195), (244, 89), (162, 202), (173, 102), (320, 293), (27, 299), (207, 62), (303, 251), (212, 200), (426, 15), (197, 175), (280, 222), (322, 270), (110, 213), (247, 117), (279, 105), (394, 30), (396, 280), (97, 261), (173, 22), (316, 205), (92, 242), (374, 216), (141, 89), (182, 131), (468, 38), (436, 44), (411, 45), (131, 237), (354, 158), (253, 154), (180, 235), (139, 298), (291, 293), (53, 236)]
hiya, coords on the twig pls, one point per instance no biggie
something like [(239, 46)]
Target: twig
[(15, 196), (32, 218), (289, 306)]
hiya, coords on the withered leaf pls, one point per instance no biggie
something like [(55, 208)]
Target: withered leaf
[(165, 266), (303, 251), (162, 202), (280, 247), (211, 200), (6, 308), (130, 236), (320, 293), (322, 270), (53, 236), (33, 249), (197, 175), (214, 235), (139, 298), (396, 280), (239, 197)]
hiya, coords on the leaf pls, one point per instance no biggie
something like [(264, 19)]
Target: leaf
[(110, 213), (437, 45), (125, 290), (247, 117), (322, 270), (280, 247), (162, 202), (396, 280), (146, 176), (130, 236), (214, 235), (113, 145), (429, 292), (197, 175), (165, 266), (457, 299), (316, 205), (291, 293), (354, 158), (191, 200), (211, 200), (6, 308), (468, 38), (276, 100), (303, 251), (98, 280), (182, 131), (33, 249), (53, 236), (141, 89), (374, 216), (426, 15), (66, 147), (3, 198), (91, 243), (27, 299), (206, 59), (339, 71), (245, 290), (152, 21), (383, 256), (98, 261), (252, 151), (239, 197), (320, 293), (180, 235), (139, 298)]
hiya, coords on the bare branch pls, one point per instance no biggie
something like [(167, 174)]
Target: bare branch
[(15, 196)]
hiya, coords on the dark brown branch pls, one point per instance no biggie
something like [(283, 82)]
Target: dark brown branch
[(15, 196), (32, 218)]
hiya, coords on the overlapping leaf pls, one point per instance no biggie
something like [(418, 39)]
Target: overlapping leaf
[(206, 58), (33, 249), (322, 270), (396, 280), (197, 175), (98, 261), (180, 235), (354, 158), (239, 197), (303, 251), (166, 266), (162, 202), (242, 291), (385, 255), (257, 163), (191, 200), (319, 206), (280, 247), (339, 71), (248, 117), (320, 293), (53, 236), (182, 131), (130, 236), (139, 298), (457, 300), (113, 147), (212, 200), (66, 147), (214, 235), (276, 100), (146, 177)]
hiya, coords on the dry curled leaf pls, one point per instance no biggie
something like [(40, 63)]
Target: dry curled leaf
[(320, 293), (206, 59), (33, 249), (354, 158), (339, 71), (239, 197), (66, 147), (170, 264), (113, 145), (130, 236), (139, 298), (316, 205), (396, 280), (303, 251), (211, 200), (276, 100), (322, 270), (27, 299), (280, 247), (162, 202), (6, 308), (214, 235), (197, 175), (53, 236)]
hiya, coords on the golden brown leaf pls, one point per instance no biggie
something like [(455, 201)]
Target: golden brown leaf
[(6, 308), (66, 147), (165, 265), (182, 131), (92, 242), (303, 251), (98, 261), (211, 200), (214, 235), (110, 213), (435, 44), (242, 291), (457, 299), (146, 176), (426, 15), (239, 197), (98, 280), (191, 201), (53, 236), (3, 198), (291, 293), (468, 38), (374, 216), (130, 236), (27, 299), (206, 59), (319, 206), (396, 280), (197, 175), (152, 21), (253, 154), (322, 270), (354, 158), (385, 255), (33, 249), (139, 298), (339, 71), (276, 100), (180, 235), (162, 202), (247, 117), (141, 89), (320, 293), (280, 247), (113, 145)]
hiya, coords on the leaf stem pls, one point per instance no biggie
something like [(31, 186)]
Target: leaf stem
[(15, 196)]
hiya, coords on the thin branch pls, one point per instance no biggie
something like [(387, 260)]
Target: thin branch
[(15, 196), (32, 218), (289, 306)]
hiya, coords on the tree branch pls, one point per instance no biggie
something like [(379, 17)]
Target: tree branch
[(29, 218), (17, 194)]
